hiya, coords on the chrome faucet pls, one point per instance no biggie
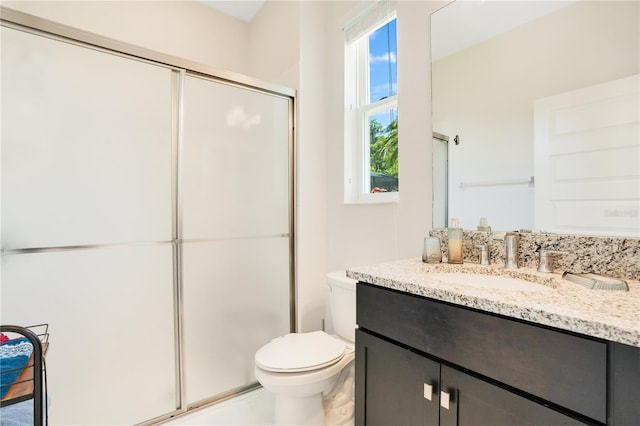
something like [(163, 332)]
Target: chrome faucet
[(484, 254), (511, 244), (545, 263)]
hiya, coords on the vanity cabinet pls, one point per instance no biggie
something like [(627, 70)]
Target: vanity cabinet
[(402, 387), (414, 355)]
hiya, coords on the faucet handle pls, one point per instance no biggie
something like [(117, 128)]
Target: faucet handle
[(511, 246), (484, 254), (545, 264)]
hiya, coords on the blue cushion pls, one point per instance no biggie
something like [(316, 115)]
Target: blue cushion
[(14, 356)]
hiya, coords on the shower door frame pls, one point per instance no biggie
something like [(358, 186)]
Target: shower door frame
[(181, 67), (443, 161)]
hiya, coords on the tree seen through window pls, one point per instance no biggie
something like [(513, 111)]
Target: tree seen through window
[(383, 126)]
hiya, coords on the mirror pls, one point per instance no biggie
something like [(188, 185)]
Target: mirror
[(493, 64)]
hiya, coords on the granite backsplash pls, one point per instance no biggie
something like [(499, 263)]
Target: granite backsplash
[(617, 257)]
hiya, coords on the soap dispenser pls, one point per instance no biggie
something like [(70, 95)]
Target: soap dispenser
[(484, 225), (455, 242)]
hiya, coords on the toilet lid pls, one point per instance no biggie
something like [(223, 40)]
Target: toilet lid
[(300, 352)]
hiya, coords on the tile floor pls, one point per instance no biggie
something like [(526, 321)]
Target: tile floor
[(252, 408)]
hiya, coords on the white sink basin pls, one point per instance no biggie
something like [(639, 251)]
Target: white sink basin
[(488, 281)]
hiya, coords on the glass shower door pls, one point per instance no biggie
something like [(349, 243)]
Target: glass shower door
[(235, 226), (87, 146)]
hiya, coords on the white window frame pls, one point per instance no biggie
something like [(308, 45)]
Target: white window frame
[(357, 113)]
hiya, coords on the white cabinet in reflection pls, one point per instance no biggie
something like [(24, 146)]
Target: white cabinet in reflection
[(587, 159)]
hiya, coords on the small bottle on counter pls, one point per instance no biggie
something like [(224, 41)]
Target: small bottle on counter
[(432, 253), (455, 242), (484, 225)]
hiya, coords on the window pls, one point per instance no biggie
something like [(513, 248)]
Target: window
[(371, 117)]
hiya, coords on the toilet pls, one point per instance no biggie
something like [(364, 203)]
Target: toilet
[(311, 373)]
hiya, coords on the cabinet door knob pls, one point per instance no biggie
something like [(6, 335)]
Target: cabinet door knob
[(428, 391), (444, 400)]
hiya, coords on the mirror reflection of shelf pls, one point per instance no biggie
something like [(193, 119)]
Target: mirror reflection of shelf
[(476, 184)]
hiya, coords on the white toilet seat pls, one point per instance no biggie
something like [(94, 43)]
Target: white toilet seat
[(301, 369), (271, 379), (300, 352)]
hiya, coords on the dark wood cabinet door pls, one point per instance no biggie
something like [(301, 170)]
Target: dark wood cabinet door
[(474, 402), (624, 385), (394, 384)]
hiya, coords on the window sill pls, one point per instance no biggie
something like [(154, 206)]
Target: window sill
[(379, 198)]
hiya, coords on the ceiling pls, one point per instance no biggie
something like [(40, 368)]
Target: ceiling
[(462, 24), (241, 9), (458, 25)]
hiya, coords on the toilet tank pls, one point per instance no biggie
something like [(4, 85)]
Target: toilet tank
[(342, 304)]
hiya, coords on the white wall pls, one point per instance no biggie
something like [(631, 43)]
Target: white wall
[(330, 234), (363, 234), (312, 170), (274, 46), (184, 29), (287, 47)]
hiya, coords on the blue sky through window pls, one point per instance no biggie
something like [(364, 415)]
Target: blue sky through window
[(383, 75)]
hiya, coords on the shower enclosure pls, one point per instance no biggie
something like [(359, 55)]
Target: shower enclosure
[(147, 217)]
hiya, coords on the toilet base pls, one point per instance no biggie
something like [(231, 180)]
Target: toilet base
[(299, 395), (304, 411)]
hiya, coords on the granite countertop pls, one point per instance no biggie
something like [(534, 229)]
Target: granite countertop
[(610, 315)]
